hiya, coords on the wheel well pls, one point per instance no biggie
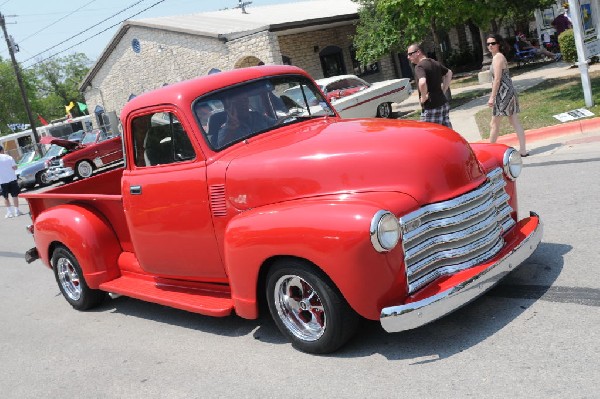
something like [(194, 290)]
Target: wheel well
[(268, 264), (53, 246)]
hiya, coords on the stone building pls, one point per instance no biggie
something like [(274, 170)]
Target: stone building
[(148, 53)]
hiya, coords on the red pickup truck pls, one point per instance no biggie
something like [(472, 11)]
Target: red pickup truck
[(231, 198)]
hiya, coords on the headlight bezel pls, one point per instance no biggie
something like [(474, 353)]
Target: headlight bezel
[(512, 164), (385, 231)]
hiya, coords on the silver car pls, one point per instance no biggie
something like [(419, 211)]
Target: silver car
[(35, 173)]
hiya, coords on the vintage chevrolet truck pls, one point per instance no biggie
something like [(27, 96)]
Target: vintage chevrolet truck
[(235, 198)]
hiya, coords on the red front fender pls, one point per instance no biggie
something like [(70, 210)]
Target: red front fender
[(86, 234), (331, 234)]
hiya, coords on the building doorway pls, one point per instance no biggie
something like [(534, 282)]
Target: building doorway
[(332, 61)]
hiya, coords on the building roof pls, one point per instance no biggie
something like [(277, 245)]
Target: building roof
[(232, 23)]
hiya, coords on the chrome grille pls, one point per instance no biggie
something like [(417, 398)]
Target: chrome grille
[(446, 237)]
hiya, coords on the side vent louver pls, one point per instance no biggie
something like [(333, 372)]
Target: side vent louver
[(217, 200)]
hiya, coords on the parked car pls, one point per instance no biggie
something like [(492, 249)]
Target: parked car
[(97, 149), (28, 158), (33, 173), (76, 136), (352, 97)]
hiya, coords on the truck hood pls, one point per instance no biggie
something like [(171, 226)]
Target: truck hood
[(429, 162)]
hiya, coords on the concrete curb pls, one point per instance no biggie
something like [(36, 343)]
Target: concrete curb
[(550, 132)]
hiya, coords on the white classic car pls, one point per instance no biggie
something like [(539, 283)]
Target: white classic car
[(352, 97)]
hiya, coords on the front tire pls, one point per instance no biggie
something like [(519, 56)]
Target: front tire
[(71, 282), (384, 110), (42, 179), (84, 169), (308, 308)]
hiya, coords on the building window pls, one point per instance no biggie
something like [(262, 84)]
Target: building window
[(332, 61), (286, 60), (362, 69)]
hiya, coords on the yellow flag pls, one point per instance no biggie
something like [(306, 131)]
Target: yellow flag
[(69, 107)]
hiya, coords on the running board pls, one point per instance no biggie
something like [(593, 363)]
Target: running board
[(192, 299)]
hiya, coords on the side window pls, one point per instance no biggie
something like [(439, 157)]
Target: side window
[(159, 139)]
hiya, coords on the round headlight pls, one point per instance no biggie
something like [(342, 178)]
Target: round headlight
[(512, 163), (385, 231)]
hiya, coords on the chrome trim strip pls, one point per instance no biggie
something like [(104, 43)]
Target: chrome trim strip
[(413, 315)]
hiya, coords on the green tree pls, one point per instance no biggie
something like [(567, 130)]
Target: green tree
[(387, 25), (12, 109), (57, 81)]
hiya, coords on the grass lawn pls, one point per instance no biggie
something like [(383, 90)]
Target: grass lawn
[(539, 103)]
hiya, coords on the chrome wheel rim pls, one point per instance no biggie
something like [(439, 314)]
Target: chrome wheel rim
[(44, 178), (300, 308), (84, 169), (68, 278), (385, 110)]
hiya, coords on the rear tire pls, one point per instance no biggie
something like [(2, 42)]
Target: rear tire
[(308, 308), (384, 110), (84, 169), (71, 282)]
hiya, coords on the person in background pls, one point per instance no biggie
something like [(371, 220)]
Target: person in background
[(524, 44), (503, 99), (561, 23), (8, 182), (433, 80)]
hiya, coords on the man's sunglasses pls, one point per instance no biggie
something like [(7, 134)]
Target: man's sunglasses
[(413, 52)]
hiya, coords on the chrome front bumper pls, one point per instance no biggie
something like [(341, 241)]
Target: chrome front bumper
[(54, 174), (416, 314)]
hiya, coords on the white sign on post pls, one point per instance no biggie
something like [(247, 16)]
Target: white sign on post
[(591, 43)]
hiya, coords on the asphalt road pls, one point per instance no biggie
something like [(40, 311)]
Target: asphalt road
[(535, 336)]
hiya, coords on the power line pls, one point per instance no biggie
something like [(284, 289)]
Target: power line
[(58, 20), (93, 26)]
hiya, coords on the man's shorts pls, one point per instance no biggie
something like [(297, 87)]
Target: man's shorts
[(11, 188), (439, 115)]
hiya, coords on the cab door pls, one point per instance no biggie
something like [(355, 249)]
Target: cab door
[(165, 197)]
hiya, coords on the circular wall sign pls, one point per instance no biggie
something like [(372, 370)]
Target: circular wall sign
[(136, 46)]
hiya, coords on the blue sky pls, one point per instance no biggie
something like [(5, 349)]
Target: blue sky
[(42, 28)]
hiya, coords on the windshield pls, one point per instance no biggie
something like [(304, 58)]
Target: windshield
[(54, 151), (27, 157), (237, 113)]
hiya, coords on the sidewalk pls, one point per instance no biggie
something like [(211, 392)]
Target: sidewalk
[(463, 117)]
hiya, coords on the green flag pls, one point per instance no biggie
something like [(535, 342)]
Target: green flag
[(82, 107)]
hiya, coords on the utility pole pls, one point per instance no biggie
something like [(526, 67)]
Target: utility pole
[(20, 81)]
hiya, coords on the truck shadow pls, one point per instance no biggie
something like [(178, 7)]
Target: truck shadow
[(441, 339), (471, 324)]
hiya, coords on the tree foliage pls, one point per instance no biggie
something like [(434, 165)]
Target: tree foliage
[(50, 85), (388, 25), (12, 109)]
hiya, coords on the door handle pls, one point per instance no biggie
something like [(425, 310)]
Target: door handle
[(135, 190)]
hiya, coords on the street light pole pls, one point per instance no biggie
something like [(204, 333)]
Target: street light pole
[(20, 81)]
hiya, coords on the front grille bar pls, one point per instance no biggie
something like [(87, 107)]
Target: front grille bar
[(449, 236)]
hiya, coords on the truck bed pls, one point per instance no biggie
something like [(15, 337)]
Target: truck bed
[(101, 192)]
